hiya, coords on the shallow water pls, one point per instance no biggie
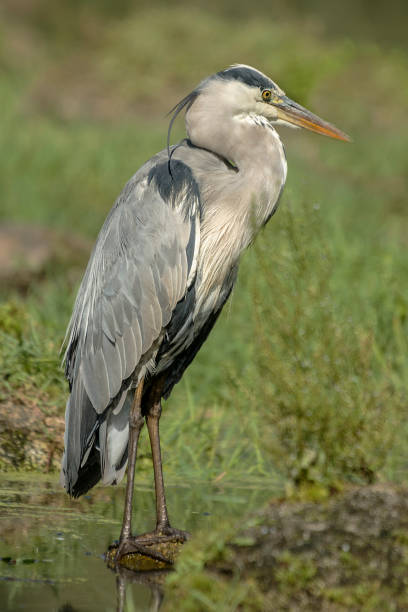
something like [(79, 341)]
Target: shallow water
[(52, 548)]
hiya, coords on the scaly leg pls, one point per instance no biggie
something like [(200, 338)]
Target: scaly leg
[(135, 425), (163, 527), (164, 532)]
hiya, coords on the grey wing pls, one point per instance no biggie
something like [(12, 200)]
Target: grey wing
[(141, 267)]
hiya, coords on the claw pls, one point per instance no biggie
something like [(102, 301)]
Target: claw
[(177, 534), (154, 550)]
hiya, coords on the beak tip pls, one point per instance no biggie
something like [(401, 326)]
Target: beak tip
[(297, 115), (345, 137)]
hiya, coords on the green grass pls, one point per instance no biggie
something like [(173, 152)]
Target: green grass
[(303, 383), (304, 379)]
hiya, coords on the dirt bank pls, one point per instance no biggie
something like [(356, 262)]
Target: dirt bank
[(31, 434), (350, 553)]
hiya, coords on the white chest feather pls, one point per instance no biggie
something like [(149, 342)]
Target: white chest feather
[(236, 205)]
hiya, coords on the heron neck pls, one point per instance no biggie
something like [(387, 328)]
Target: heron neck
[(255, 149), (240, 137), (235, 203)]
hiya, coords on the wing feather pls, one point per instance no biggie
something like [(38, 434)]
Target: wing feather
[(137, 274)]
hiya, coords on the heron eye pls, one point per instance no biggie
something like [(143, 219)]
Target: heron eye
[(266, 95)]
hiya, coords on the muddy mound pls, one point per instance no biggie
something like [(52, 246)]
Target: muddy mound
[(350, 553)]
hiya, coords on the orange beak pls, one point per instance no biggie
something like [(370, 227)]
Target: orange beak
[(291, 112)]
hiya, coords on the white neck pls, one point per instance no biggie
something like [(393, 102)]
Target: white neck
[(235, 204), (251, 143)]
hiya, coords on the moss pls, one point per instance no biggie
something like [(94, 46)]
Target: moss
[(294, 572), (348, 553)]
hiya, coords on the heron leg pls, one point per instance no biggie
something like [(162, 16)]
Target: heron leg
[(152, 422), (135, 425), (163, 533), (163, 527)]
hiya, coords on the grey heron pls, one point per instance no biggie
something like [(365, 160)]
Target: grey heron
[(163, 266)]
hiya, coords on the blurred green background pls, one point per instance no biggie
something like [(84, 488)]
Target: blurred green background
[(304, 379), (302, 386)]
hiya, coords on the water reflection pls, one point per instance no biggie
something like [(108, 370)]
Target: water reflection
[(51, 547), (154, 580)]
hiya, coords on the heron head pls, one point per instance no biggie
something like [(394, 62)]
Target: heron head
[(242, 90)]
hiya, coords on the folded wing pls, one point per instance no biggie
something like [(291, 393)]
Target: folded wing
[(142, 265)]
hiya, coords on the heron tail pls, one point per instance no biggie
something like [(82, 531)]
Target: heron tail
[(96, 446)]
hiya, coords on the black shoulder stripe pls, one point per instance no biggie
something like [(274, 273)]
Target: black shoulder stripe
[(170, 186)]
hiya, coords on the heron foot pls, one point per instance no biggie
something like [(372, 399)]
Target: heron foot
[(172, 533), (157, 549)]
